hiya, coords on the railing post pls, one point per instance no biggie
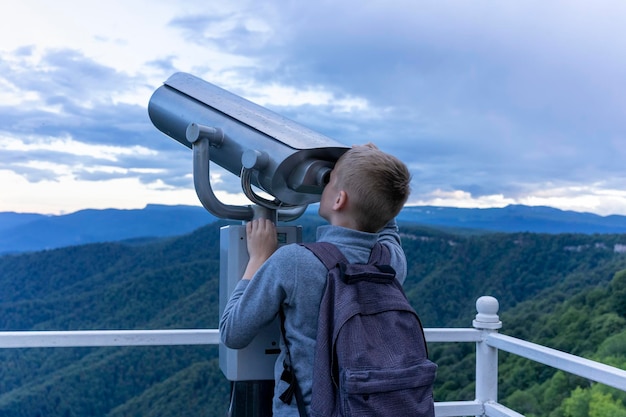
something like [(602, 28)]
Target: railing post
[(487, 321)]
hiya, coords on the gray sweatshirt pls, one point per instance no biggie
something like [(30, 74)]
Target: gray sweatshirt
[(295, 279)]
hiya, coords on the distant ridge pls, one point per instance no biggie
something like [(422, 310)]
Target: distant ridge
[(26, 232), (515, 218), (32, 232)]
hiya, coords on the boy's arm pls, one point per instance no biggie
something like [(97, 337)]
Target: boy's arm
[(390, 237), (254, 303), (390, 234)]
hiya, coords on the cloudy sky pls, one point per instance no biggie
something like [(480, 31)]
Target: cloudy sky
[(488, 102)]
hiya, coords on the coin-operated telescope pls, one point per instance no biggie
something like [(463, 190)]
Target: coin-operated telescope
[(275, 154), (278, 156)]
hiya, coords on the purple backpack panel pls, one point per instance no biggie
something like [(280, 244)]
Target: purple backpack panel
[(371, 357)]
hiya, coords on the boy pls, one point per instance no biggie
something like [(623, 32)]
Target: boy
[(367, 189)]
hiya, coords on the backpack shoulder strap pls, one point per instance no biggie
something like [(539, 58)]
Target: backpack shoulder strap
[(330, 255), (326, 252), (289, 374), (380, 255)]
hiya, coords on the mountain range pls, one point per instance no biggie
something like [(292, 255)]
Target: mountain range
[(515, 218), (26, 232)]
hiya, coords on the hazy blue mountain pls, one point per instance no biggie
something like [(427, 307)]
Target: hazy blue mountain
[(515, 218), (31, 232), (9, 220)]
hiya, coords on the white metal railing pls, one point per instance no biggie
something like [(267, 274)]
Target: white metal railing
[(102, 338), (484, 333)]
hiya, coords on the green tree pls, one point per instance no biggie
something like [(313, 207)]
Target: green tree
[(592, 402), (577, 405), (604, 405), (618, 293)]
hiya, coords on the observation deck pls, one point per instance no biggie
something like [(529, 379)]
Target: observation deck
[(484, 333)]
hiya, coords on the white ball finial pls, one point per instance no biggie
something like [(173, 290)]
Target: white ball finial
[(487, 317)]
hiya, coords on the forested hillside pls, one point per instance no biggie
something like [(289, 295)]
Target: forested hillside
[(565, 291)]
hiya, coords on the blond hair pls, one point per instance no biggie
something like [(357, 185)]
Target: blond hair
[(378, 185)]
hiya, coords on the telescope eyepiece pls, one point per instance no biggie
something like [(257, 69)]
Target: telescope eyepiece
[(323, 176)]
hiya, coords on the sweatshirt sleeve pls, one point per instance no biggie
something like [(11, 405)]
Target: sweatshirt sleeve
[(390, 237), (254, 303), (228, 331)]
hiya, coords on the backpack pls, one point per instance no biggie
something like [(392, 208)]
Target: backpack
[(371, 357)]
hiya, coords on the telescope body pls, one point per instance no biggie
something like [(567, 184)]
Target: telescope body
[(279, 156)]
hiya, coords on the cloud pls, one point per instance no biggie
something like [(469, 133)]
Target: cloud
[(488, 103), (511, 99)]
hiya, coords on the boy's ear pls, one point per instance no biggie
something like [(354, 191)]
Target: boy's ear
[(341, 201)]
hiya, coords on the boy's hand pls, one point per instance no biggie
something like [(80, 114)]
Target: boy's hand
[(262, 243)]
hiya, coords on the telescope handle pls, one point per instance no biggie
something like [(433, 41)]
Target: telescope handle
[(202, 139)]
